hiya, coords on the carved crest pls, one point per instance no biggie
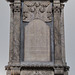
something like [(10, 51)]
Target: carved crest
[(37, 10)]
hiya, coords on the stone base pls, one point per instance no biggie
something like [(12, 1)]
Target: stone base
[(34, 72), (36, 68), (24, 70)]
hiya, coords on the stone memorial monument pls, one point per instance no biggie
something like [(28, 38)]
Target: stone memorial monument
[(37, 44)]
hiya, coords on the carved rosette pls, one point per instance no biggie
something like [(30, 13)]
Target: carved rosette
[(37, 10)]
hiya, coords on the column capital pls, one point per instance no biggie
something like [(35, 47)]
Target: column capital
[(17, 1), (17, 6), (56, 9), (11, 6), (62, 6)]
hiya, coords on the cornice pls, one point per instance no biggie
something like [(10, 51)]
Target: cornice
[(62, 1)]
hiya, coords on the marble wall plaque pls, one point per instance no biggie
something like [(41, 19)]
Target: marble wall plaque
[(37, 41)]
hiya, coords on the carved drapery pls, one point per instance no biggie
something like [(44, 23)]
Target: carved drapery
[(37, 10)]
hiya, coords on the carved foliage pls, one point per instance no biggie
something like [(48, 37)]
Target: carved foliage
[(37, 10)]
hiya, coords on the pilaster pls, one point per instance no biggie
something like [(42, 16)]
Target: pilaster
[(16, 39), (11, 33), (57, 35), (62, 34)]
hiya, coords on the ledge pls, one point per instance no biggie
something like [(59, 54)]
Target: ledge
[(36, 65), (20, 67)]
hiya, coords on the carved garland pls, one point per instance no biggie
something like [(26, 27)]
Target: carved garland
[(37, 10)]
